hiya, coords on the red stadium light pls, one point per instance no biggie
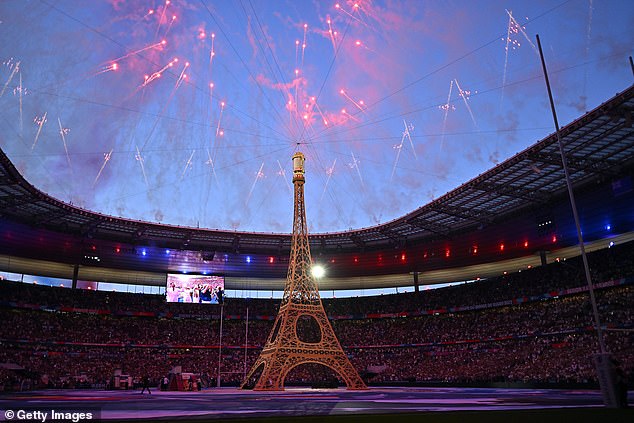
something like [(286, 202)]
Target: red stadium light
[(501, 247), (554, 238), (474, 250), (271, 260), (403, 257), (117, 250), (447, 253), (525, 244), (356, 259)]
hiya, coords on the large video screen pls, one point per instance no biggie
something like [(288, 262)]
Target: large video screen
[(195, 289)]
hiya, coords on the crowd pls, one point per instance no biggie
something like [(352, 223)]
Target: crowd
[(550, 340)]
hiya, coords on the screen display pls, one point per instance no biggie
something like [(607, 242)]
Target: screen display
[(195, 289)]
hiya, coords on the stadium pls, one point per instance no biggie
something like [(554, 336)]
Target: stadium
[(508, 297)]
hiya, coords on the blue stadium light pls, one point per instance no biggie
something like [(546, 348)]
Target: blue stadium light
[(143, 252), (611, 244), (608, 227), (248, 259), (167, 252)]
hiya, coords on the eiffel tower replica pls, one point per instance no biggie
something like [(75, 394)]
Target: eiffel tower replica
[(285, 348)]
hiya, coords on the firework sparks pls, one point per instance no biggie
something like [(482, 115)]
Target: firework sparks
[(329, 173), (170, 25), (350, 15), (40, 123), (349, 116), (110, 68), (304, 44), (399, 147), (182, 77), (258, 175), (357, 105), (139, 158), (446, 107), (106, 159), (465, 96), (15, 69), (519, 28), (210, 162), (160, 44), (222, 108), (332, 35), (20, 93), (158, 73), (188, 164), (323, 118), (282, 173), (63, 132), (407, 134), (359, 43), (212, 52), (179, 81), (160, 21), (355, 165)]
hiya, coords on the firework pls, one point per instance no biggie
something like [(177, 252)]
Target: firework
[(210, 162), (358, 105), (329, 173), (465, 96), (350, 15), (332, 35), (158, 73), (20, 91), (304, 44), (222, 108), (355, 165), (40, 123), (109, 68), (519, 28), (113, 62), (63, 132), (258, 175), (106, 159), (282, 173), (446, 107), (349, 116), (399, 147), (323, 118), (139, 158), (407, 134), (212, 52), (170, 25), (15, 70), (179, 81), (160, 21), (188, 164)]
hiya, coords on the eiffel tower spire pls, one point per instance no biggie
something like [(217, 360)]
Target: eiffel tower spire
[(286, 346)]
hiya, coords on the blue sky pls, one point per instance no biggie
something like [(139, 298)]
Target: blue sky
[(109, 105)]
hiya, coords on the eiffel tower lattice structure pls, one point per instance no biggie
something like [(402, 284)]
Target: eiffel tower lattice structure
[(285, 348)]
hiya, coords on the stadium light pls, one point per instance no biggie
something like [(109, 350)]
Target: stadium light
[(318, 271)]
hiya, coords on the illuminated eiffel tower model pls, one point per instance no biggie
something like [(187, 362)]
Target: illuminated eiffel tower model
[(285, 348)]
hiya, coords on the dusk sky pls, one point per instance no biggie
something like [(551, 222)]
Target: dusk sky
[(188, 112)]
